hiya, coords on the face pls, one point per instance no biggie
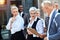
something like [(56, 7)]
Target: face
[(56, 6), (48, 8), (14, 12), (20, 8), (32, 13), (44, 9), (37, 14)]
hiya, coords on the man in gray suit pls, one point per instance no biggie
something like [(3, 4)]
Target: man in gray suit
[(53, 32)]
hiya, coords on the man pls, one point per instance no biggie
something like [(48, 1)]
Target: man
[(35, 23), (53, 32), (25, 16), (16, 25)]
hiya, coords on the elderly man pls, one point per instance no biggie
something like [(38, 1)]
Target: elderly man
[(53, 32), (16, 25)]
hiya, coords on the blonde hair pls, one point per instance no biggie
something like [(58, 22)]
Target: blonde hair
[(38, 10), (14, 7)]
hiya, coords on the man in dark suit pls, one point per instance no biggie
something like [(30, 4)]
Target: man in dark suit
[(53, 32), (23, 14), (25, 17)]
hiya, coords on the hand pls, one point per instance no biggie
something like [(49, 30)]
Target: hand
[(29, 32), (45, 38), (42, 35), (13, 19)]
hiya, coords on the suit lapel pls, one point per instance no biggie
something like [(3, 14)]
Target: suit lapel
[(53, 15)]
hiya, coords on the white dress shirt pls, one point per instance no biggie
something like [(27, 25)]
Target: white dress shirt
[(21, 14), (39, 27), (17, 25)]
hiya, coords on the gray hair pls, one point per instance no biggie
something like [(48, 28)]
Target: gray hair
[(14, 7), (46, 2), (32, 9)]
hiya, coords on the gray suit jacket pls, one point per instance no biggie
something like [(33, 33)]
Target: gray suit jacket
[(54, 30)]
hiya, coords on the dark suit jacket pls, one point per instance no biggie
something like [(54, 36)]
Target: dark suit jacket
[(25, 17), (54, 28)]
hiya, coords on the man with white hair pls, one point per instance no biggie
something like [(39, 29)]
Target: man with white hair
[(16, 25), (53, 32)]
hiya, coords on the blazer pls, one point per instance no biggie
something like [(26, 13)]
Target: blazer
[(25, 17), (54, 28)]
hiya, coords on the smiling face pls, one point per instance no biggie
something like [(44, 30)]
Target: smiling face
[(20, 8)]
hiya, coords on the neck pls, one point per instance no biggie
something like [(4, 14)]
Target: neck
[(49, 12)]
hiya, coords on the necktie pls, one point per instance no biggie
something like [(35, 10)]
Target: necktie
[(47, 21)]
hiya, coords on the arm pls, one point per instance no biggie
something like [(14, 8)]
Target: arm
[(8, 25), (40, 28)]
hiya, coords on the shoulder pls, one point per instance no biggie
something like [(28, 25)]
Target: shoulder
[(57, 15), (39, 21), (19, 17), (25, 14), (10, 18)]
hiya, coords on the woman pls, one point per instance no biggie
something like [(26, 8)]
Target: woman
[(36, 24), (16, 25)]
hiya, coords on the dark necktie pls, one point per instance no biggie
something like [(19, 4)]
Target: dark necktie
[(47, 21)]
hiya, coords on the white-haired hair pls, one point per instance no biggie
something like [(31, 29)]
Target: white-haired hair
[(14, 7), (45, 2), (32, 9)]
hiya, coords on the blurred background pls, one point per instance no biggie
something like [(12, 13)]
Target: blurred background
[(5, 13)]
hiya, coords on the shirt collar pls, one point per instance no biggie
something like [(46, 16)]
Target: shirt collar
[(21, 13), (35, 19)]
